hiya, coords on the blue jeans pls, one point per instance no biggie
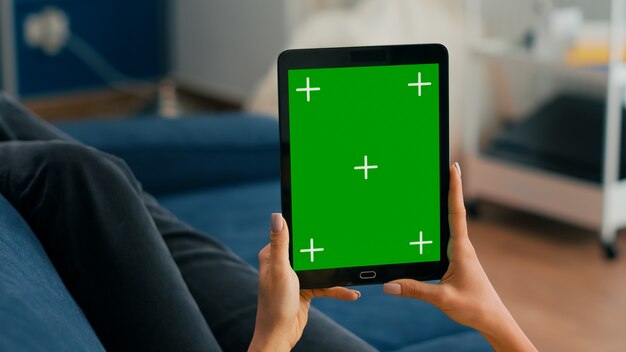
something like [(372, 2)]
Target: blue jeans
[(144, 279)]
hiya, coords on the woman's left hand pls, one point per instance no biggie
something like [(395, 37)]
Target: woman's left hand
[(283, 307)]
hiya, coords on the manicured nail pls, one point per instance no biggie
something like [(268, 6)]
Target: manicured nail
[(392, 289), (276, 225), (458, 168)]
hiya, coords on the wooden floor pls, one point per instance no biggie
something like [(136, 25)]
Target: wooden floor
[(106, 102), (554, 279)]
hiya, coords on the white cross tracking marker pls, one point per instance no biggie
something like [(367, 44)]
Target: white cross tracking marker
[(312, 250), (419, 84), (308, 90), (420, 243), (365, 167)]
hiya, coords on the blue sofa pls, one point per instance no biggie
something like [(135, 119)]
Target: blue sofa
[(220, 174)]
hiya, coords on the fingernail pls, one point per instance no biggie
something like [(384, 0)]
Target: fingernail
[(458, 168), (358, 293), (392, 289), (276, 225)]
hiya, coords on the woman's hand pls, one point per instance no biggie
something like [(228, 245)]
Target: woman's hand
[(283, 307), (465, 293)]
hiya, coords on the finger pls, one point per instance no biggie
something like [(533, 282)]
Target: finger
[(456, 207), (341, 293), (279, 240), (426, 292)]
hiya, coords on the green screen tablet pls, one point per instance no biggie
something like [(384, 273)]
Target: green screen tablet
[(364, 144)]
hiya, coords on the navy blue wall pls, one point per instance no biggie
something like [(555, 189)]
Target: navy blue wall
[(130, 34)]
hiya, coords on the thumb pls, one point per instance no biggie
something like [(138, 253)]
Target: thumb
[(414, 289), (279, 240)]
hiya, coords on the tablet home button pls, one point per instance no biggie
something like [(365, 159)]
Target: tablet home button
[(367, 275)]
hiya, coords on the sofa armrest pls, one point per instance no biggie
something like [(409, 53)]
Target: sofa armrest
[(180, 155), (37, 313)]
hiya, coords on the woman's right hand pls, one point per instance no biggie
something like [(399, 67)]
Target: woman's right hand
[(465, 293)]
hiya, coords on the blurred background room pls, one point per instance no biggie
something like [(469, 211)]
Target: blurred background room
[(537, 99)]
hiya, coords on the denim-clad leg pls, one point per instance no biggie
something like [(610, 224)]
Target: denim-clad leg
[(97, 232), (145, 280), (225, 287)]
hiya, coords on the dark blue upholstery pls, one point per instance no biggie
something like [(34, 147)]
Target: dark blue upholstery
[(36, 311), (219, 174), (170, 156)]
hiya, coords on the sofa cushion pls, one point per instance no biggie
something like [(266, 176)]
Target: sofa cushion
[(204, 150), (37, 312), (461, 342), (239, 216)]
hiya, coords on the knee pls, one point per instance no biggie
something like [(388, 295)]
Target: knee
[(68, 159), (52, 170)]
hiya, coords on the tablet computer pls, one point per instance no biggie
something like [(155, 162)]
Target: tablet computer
[(364, 162)]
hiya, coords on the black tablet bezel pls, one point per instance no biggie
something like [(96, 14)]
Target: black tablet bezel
[(354, 57)]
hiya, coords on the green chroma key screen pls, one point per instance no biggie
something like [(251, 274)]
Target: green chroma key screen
[(364, 165)]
